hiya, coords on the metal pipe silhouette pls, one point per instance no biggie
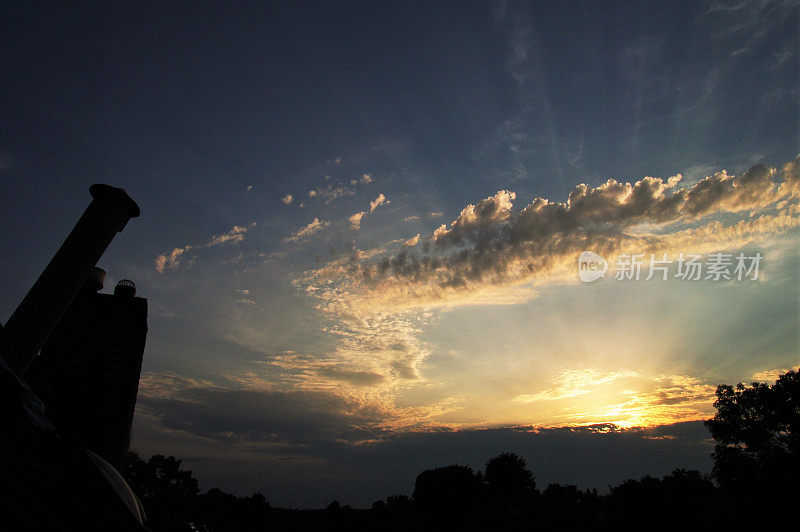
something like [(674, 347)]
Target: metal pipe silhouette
[(41, 309)]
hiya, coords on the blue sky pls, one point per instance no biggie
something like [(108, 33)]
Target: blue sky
[(341, 242)]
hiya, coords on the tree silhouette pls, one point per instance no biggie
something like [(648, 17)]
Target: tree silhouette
[(448, 494), (508, 476), (757, 430), (510, 487), (159, 478), (565, 507), (166, 490), (678, 499)]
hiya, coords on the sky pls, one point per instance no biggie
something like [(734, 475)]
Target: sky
[(362, 224)]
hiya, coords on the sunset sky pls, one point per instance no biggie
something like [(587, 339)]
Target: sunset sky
[(361, 224)]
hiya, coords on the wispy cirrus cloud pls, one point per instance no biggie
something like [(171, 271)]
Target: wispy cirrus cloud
[(571, 383), (306, 231), (171, 260)]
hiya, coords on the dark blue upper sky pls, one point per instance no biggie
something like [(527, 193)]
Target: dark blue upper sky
[(195, 98)]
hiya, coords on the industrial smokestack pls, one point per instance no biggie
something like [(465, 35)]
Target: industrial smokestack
[(41, 309)]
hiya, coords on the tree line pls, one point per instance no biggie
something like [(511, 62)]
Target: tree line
[(755, 481)]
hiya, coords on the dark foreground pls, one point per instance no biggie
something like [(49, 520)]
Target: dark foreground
[(755, 484)]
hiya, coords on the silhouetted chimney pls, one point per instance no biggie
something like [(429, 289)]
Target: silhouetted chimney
[(41, 309)]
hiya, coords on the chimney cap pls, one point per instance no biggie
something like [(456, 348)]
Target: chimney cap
[(100, 191), (125, 287)]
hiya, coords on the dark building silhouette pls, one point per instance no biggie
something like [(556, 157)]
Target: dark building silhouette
[(91, 349), (88, 371)]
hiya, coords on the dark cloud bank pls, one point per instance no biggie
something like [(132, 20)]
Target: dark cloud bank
[(302, 449)]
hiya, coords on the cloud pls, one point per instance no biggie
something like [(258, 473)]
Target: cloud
[(661, 400), (244, 457), (252, 412), (358, 378), (571, 383), (374, 204), (234, 235), (314, 227), (365, 179), (243, 296), (473, 219), (355, 220), (251, 408), (625, 398), (330, 193), (650, 200), (383, 344), (411, 242), (255, 409), (495, 254), (172, 259), (770, 375), (287, 199), (378, 300), (490, 245), (296, 417)]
